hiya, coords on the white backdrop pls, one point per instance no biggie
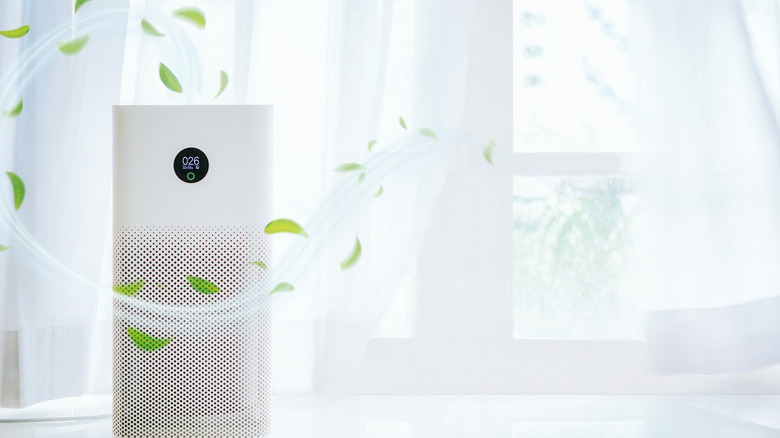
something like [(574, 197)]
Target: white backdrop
[(340, 74)]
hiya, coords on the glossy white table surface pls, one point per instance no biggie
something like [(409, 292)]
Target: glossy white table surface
[(461, 416)]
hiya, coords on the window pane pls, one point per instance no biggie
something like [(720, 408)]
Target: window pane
[(573, 87), (574, 261)]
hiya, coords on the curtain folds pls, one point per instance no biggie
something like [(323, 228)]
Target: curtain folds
[(711, 186), (59, 147), (344, 71)]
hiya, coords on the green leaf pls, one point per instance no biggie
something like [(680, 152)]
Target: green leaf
[(379, 192), (284, 226), (130, 289), (4, 248), (15, 111), (353, 257), (348, 167), (223, 81), (191, 14), (18, 186), (15, 33), (282, 287), (259, 263), (202, 286), (361, 177), (79, 4), (150, 30), (146, 342), (73, 47), (428, 133), (371, 145), (401, 121), (169, 79), (487, 152)]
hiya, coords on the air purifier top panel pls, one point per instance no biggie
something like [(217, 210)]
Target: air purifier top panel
[(204, 165)]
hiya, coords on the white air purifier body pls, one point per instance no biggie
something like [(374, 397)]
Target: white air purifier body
[(192, 321)]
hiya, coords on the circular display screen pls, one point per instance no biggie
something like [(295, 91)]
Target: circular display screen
[(191, 165)]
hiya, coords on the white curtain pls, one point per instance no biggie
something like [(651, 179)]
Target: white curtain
[(55, 314), (340, 74), (711, 184), (388, 59), (59, 146)]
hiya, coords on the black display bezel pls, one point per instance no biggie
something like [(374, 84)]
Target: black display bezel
[(188, 173)]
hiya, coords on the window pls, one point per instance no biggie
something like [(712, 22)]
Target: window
[(573, 254), (558, 312)]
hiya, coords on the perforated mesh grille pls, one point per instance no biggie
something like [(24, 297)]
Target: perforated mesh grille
[(213, 378)]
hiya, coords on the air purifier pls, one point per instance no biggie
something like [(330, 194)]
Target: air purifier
[(192, 325)]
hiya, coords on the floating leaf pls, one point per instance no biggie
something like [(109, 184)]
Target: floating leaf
[(259, 263), (15, 111), (353, 257), (18, 186), (428, 133), (282, 287), (79, 4), (284, 226), (130, 289), (191, 14), (146, 342), (15, 33), (159, 285), (223, 81), (401, 121), (169, 79), (4, 248), (150, 30), (73, 47), (348, 167), (487, 152), (361, 177), (202, 286), (379, 192), (371, 145)]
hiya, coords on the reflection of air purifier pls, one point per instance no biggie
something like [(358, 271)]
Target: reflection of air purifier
[(192, 191)]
